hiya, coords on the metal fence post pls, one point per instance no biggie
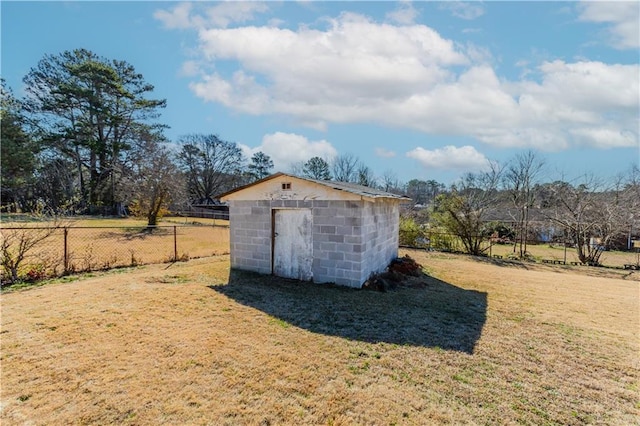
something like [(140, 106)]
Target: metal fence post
[(175, 244), (66, 250)]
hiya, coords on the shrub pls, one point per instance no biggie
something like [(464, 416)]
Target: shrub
[(411, 234), (444, 242)]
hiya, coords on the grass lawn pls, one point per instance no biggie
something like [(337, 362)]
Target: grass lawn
[(557, 252), (476, 341), (103, 243)]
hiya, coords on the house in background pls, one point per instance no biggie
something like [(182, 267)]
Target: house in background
[(311, 230)]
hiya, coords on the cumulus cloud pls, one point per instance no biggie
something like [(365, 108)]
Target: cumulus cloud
[(288, 149), (450, 157), (574, 99), (356, 70), (384, 153), (622, 18), (464, 10)]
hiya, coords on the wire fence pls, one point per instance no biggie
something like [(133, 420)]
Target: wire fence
[(561, 253), (32, 253), (204, 214)]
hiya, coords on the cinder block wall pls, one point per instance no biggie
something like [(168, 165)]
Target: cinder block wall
[(351, 239), (337, 242), (250, 235), (380, 235)]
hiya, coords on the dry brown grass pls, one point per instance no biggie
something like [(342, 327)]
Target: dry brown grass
[(98, 243), (557, 252), (479, 342)]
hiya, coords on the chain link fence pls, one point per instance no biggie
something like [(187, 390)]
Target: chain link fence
[(445, 242), (32, 253), (561, 253)]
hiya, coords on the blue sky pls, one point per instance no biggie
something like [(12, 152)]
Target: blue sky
[(425, 90)]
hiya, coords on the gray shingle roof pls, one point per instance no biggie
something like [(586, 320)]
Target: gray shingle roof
[(354, 188)]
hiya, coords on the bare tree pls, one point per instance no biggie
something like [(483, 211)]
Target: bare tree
[(520, 178), (632, 200), (366, 176), (592, 214), (155, 183), (55, 183), (212, 166), (345, 168), (390, 182), (297, 168), (462, 211)]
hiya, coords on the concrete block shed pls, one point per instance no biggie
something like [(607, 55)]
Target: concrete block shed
[(311, 230)]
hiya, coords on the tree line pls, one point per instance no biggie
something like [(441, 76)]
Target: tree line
[(86, 139), (513, 203)]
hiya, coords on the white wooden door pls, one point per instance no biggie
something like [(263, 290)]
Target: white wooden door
[(293, 244)]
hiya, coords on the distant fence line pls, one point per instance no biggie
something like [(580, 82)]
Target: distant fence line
[(65, 250), (204, 214), (558, 252), (72, 249)]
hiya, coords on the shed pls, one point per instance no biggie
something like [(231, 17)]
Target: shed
[(312, 230)]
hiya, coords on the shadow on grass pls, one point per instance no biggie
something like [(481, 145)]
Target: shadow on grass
[(434, 314)]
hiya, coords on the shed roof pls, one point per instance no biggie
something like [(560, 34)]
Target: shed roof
[(361, 190)]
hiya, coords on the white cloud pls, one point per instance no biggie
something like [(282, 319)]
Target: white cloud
[(450, 157), (176, 18), (287, 149), (464, 10), (241, 92), (356, 69), (227, 12), (359, 71), (189, 69), (384, 153), (221, 15), (405, 14), (572, 101), (606, 137), (623, 17), (593, 84), (478, 54)]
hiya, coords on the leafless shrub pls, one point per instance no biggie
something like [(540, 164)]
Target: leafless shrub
[(17, 246)]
